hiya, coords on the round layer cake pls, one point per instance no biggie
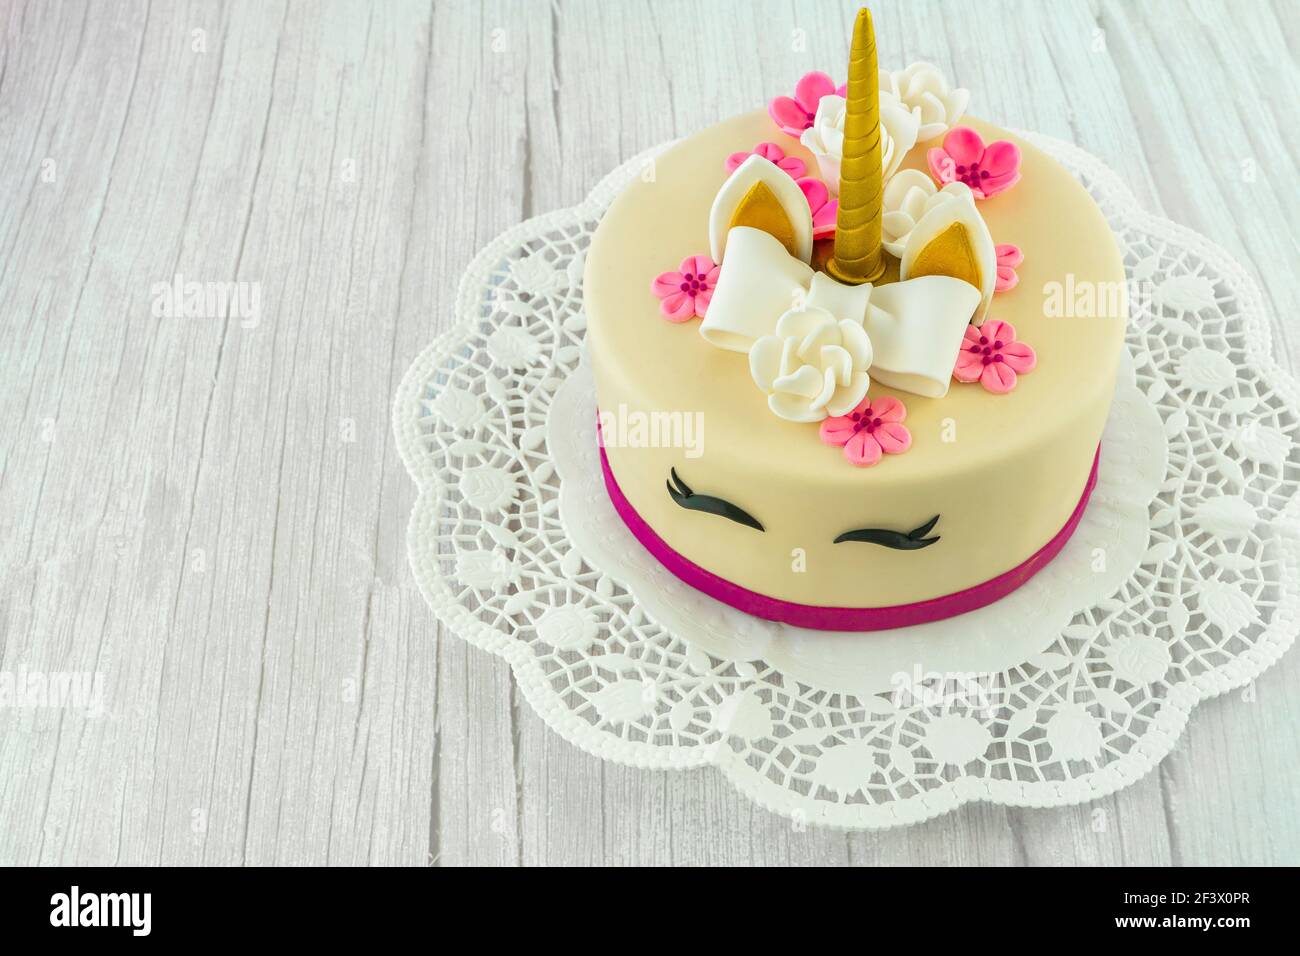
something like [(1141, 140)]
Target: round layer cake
[(1005, 475)]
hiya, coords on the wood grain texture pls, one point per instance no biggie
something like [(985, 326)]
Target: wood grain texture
[(210, 513)]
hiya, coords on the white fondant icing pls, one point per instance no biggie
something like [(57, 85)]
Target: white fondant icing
[(924, 90), (825, 138), (845, 301), (908, 197), (795, 205), (759, 282), (916, 328), (815, 365), (942, 210), (913, 328)]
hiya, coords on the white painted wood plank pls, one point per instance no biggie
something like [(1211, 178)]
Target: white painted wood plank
[(205, 532)]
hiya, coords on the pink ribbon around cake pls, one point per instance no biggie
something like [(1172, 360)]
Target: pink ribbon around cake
[(841, 618)]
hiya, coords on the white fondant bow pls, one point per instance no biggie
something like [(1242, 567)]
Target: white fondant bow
[(812, 340)]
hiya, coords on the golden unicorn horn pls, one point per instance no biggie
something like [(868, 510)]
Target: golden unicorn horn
[(858, 257)]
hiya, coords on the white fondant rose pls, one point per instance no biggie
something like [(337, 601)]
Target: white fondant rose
[(825, 138), (813, 366), (923, 89), (908, 197)]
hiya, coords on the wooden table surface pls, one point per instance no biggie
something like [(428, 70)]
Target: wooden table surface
[(208, 512)]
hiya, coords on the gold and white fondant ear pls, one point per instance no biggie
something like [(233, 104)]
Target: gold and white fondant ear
[(952, 239), (761, 195)]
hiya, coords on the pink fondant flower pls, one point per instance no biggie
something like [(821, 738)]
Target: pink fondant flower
[(824, 208), (991, 356), (796, 115), (870, 430), (964, 158), (1009, 257), (774, 154), (686, 294)]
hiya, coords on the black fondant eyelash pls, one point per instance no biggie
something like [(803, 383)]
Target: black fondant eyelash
[(683, 495), (912, 540)]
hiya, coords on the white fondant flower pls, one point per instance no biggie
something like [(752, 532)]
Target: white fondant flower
[(909, 196), (924, 90), (825, 138), (813, 366)]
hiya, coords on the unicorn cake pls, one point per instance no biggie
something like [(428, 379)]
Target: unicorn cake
[(851, 305)]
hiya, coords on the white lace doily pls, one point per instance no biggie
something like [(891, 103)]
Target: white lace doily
[(1183, 579)]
